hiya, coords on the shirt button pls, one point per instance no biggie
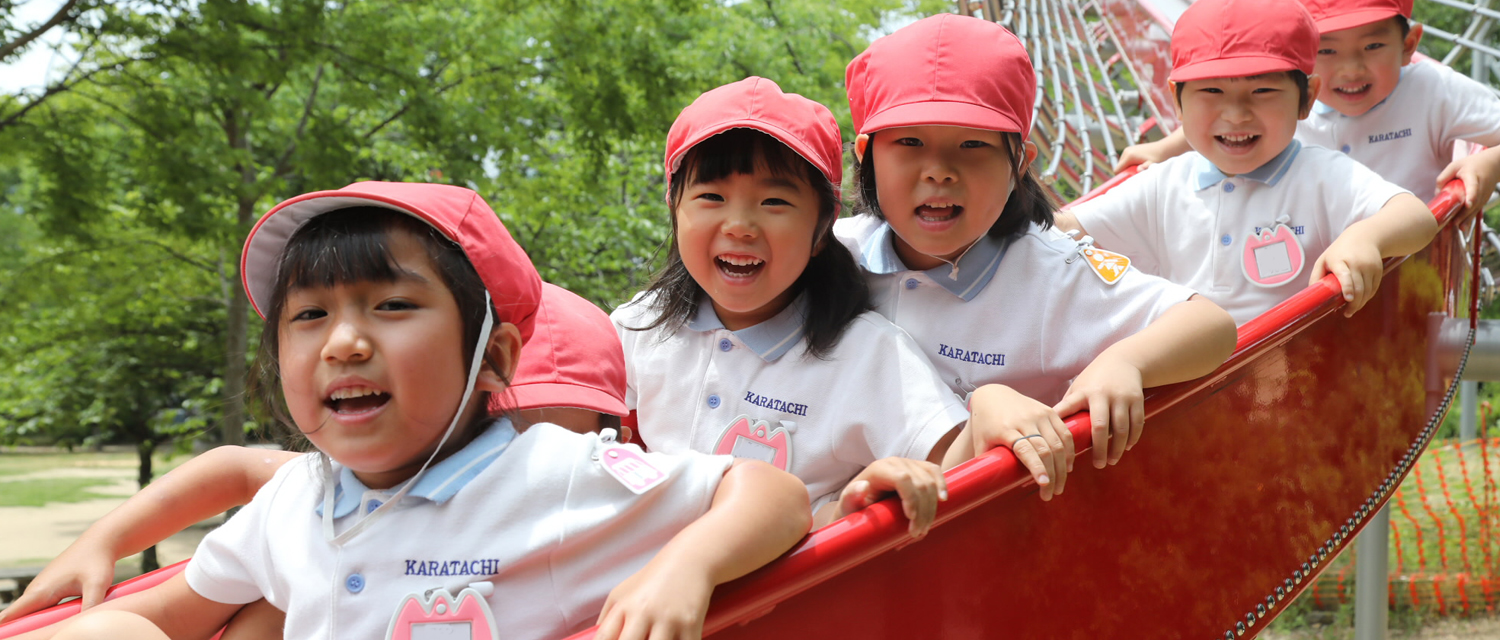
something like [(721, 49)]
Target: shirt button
[(911, 283), (713, 402), (1229, 187), (355, 583), (1344, 148), (372, 505), (725, 344), (1225, 240)]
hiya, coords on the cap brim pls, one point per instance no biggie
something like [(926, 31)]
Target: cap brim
[(952, 114), (1354, 19), (1232, 68), (263, 247), (555, 394), (781, 135)]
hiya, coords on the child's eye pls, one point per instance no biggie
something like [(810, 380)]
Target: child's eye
[(973, 144), (1374, 45), (1326, 52), (396, 305), (1266, 90), (309, 314), (775, 202), (909, 142), (1211, 90), (711, 197)]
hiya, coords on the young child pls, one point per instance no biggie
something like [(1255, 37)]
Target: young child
[(372, 295), (1398, 117), (954, 240), (755, 340), (1244, 216), (571, 373)]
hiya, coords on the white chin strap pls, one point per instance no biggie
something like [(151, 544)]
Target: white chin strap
[(330, 483)]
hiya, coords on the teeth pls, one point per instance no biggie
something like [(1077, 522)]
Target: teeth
[(1240, 138), (938, 205), (1352, 89), (352, 392), (740, 261)]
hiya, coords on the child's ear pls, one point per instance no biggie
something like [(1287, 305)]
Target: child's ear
[(1314, 83), (504, 350), (861, 142), (1409, 43), (1030, 150)]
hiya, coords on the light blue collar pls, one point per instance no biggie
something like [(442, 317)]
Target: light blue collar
[(770, 339), (443, 480), (966, 279), (1207, 175), (1323, 109)]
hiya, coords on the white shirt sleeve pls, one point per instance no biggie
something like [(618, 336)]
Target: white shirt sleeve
[(906, 407), (234, 564), (629, 315), (1471, 112), (610, 533), (1124, 219)]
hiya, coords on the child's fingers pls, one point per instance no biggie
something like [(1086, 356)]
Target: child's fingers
[(855, 496), (93, 593), (1028, 456), (1137, 421), (1057, 452), (1119, 426), (1319, 270), (1099, 430), (919, 492), (1070, 449), (609, 622)]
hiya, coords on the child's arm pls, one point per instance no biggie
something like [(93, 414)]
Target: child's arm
[(1149, 153), (1190, 340), (919, 483), (1479, 172), (1404, 225), (758, 513), (199, 489), (172, 608)]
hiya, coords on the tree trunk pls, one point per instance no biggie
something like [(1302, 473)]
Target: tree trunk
[(236, 345), (144, 450)]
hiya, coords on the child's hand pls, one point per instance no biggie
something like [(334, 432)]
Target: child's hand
[(1112, 391), (1001, 416), (1144, 154), (659, 602), (83, 569), (1357, 264), (1479, 173), (919, 483)]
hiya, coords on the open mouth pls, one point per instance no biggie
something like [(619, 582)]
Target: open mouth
[(1353, 91), (356, 400), (1237, 141), (738, 266), (939, 212)]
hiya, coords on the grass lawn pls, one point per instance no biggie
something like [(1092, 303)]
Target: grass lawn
[(35, 479)]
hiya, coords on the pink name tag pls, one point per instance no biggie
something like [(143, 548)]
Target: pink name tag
[(631, 469), (441, 616)]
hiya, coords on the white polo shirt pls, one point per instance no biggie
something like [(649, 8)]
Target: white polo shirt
[(1028, 312), (1408, 138), (875, 396), (1187, 222), (535, 514)]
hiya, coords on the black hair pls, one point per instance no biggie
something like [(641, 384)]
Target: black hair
[(1404, 24), (1029, 204), (353, 245), (835, 288), (1304, 99)]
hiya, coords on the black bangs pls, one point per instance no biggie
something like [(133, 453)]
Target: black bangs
[(741, 152)]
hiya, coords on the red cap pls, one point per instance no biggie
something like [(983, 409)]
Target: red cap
[(1333, 15), (945, 69), (458, 213), (757, 103), (1241, 38), (574, 359)]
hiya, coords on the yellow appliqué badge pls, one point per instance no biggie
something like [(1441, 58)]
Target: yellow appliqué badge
[(1108, 265)]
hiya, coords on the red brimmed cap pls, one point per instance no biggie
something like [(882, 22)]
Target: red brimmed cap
[(946, 69), (1242, 38), (1335, 15), (757, 103), (573, 360), (458, 213)]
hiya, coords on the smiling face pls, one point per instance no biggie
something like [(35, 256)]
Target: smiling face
[(745, 238), (1239, 124), (372, 371), (1361, 65), (941, 188)]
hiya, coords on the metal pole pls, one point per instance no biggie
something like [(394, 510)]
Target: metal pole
[(1468, 398), (1370, 578)]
